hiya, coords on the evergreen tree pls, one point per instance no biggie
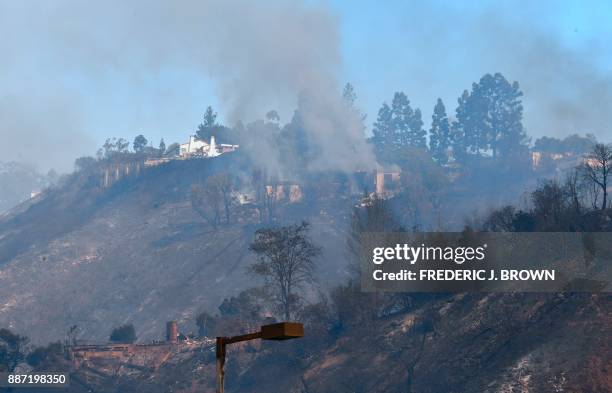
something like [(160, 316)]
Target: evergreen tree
[(349, 95), (439, 133), (508, 138), (471, 117), (407, 123), (457, 132), (208, 125), (383, 130), (402, 115), (416, 133), (398, 126), (162, 146), (490, 117)]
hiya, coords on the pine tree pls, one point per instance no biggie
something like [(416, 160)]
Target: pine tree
[(416, 133), (383, 130), (439, 134), (349, 95), (508, 137), (474, 120), (208, 125), (490, 117), (457, 137), (401, 114)]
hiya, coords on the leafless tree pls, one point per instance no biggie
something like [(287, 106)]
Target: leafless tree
[(597, 167), (213, 197), (225, 185), (286, 260), (206, 201), (573, 190)]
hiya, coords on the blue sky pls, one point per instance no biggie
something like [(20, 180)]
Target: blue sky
[(400, 46), (560, 52)]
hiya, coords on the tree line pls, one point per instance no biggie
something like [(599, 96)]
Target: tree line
[(488, 120)]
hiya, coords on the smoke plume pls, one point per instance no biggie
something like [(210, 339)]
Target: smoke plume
[(260, 56)]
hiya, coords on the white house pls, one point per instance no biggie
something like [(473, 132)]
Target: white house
[(194, 146), (198, 147)]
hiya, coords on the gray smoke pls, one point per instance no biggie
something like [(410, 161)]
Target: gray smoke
[(259, 56), (566, 83), (565, 92), (41, 131), (57, 57)]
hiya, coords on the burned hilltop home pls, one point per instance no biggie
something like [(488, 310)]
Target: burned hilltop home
[(152, 354)]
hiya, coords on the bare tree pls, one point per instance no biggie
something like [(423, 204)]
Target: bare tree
[(572, 189), (286, 260), (597, 167), (225, 185), (206, 201), (214, 197)]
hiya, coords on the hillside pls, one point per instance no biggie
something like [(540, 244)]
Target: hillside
[(498, 343), (104, 250), (134, 252)]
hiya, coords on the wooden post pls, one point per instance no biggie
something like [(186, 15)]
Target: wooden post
[(220, 364)]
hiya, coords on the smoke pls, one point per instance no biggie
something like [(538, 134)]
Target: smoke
[(564, 90), (565, 74), (73, 71), (258, 56), (40, 130)]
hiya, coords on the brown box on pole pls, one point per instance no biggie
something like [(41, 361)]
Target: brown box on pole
[(282, 331)]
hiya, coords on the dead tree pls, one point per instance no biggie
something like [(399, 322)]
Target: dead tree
[(206, 201), (596, 169), (286, 260)]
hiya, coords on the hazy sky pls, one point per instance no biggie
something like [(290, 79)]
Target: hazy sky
[(73, 73)]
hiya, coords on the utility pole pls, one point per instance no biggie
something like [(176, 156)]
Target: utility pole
[(277, 331)]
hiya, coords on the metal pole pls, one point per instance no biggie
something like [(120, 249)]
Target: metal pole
[(277, 331), (220, 364)]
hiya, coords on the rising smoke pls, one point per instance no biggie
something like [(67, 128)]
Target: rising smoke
[(59, 57), (260, 57)]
